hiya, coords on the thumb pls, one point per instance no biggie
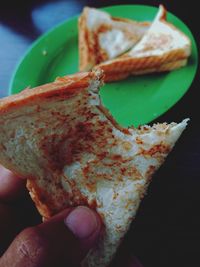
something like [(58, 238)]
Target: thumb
[(65, 239)]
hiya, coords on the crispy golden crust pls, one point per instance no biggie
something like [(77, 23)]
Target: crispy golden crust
[(65, 86), (128, 64), (41, 199), (88, 44), (115, 76), (141, 23), (86, 53)]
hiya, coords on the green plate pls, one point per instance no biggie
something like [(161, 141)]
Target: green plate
[(134, 101)]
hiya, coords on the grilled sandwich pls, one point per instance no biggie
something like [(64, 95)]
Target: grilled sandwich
[(72, 152)]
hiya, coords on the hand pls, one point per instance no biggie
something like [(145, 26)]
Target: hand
[(64, 239)]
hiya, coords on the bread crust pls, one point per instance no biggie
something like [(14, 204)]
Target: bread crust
[(65, 87), (154, 55), (90, 51), (73, 153), (117, 76)]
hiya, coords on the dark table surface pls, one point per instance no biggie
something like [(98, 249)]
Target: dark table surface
[(166, 231)]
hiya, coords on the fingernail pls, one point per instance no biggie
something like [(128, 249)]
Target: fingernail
[(82, 222)]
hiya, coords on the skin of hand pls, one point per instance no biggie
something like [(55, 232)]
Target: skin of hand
[(65, 238)]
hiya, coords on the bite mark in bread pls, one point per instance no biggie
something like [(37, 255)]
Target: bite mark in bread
[(65, 143)]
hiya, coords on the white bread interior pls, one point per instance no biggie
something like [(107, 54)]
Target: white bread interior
[(72, 152)]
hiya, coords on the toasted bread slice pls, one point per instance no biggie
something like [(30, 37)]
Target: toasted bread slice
[(65, 142), (113, 76), (102, 37), (162, 45)]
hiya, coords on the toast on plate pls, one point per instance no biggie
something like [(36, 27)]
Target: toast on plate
[(162, 48), (102, 37)]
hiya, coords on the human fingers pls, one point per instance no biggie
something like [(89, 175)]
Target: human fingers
[(64, 239), (16, 212), (14, 218), (11, 186), (8, 226)]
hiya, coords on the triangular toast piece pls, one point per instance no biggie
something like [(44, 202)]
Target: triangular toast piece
[(162, 48), (102, 37), (65, 142)]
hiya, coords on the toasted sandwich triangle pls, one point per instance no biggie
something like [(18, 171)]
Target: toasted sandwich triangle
[(162, 48), (73, 153), (102, 37)]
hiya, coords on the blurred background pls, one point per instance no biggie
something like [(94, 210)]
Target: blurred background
[(166, 231)]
